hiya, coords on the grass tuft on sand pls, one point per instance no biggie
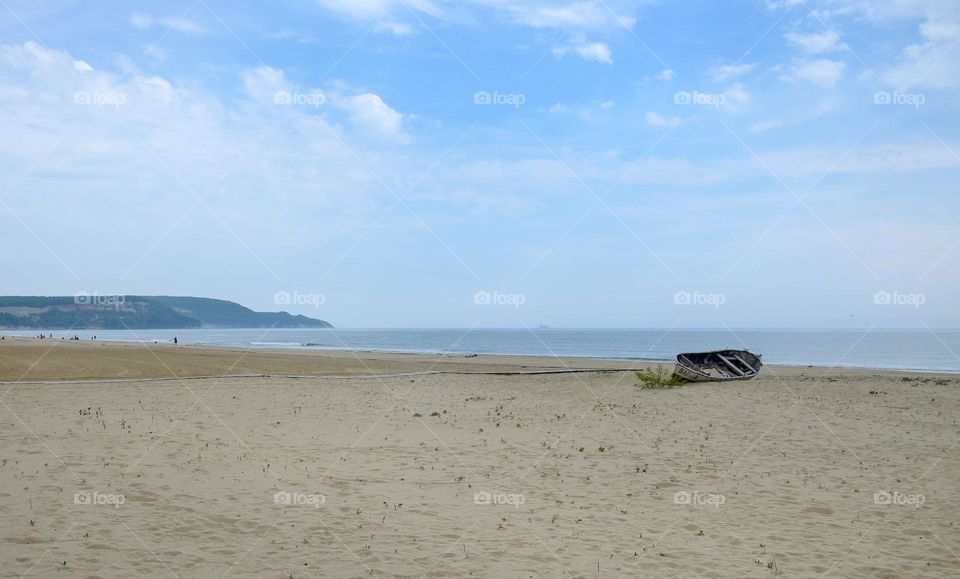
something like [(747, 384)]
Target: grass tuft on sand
[(657, 379)]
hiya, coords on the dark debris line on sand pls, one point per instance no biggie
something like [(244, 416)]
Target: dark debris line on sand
[(327, 376)]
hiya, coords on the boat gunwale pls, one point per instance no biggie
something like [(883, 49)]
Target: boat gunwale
[(684, 363)]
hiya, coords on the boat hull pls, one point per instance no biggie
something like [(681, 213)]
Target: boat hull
[(717, 366)]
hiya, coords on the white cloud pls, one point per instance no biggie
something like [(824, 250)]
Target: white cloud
[(660, 121), (395, 28), (735, 97), (13, 93), (798, 166), (375, 118), (940, 30), (575, 15), (816, 43), (361, 9), (782, 4), (295, 35), (726, 72), (165, 141), (823, 72), (572, 15), (155, 53), (82, 66), (269, 86), (179, 24), (586, 111), (656, 120), (666, 75), (932, 62), (790, 116), (596, 51), (32, 56), (263, 82), (764, 126), (153, 90), (372, 9)]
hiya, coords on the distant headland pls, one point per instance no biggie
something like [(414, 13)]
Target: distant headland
[(118, 312)]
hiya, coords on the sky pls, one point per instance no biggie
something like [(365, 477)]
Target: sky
[(490, 163)]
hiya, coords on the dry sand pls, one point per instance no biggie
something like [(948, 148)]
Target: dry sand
[(593, 476)]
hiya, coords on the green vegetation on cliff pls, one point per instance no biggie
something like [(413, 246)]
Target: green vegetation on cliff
[(139, 312)]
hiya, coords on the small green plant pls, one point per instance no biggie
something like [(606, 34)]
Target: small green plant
[(656, 378)]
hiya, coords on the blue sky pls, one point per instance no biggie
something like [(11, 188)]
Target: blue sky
[(619, 163)]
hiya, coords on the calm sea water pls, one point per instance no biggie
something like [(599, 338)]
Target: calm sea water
[(908, 350)]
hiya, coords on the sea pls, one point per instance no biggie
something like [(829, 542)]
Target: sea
[(932, 350)]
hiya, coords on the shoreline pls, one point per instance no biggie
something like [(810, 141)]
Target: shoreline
[(909, 351), (273, 361)]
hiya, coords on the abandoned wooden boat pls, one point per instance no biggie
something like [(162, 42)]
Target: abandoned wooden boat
[(717, 366)]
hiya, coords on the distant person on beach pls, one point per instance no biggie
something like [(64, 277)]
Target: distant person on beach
[(174, 340)]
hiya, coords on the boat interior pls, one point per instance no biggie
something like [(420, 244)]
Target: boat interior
[(720, 364)]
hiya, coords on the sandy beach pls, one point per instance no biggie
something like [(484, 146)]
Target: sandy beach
[(147, 461)]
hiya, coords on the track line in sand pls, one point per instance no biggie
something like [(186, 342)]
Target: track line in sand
[(323, 376)]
